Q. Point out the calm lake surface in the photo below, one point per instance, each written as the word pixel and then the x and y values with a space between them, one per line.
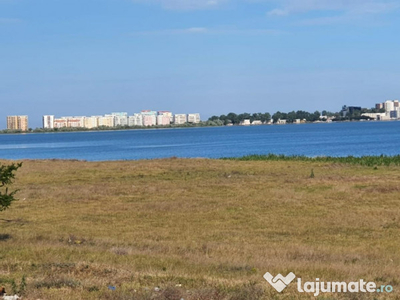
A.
pixel 335 139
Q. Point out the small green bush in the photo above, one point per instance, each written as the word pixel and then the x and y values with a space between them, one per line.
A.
pixel 7 175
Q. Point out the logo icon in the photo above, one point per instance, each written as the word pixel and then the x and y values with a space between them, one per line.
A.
pixel 279 282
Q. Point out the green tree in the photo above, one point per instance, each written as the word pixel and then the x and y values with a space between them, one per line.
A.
pixel 242 117
pixel 233 118
pixel 265 117
pixel 291 116
pixel 7 175
pixel 279 115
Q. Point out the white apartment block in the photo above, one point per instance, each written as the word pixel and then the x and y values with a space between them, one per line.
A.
pixel 149 117
pixel 120 121
pixel 135 120
pixel 107 121
pixel 163 120
pixel 167 114
pixel 75 122
pixel 180 119
pixel 120 118
pixel 149 120
pixel 92 122
pixel 193 118
pixel 48 121
pixel 389 106
pixel 60 122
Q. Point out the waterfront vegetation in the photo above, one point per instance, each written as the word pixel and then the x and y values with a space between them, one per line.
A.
pixel 200 229
pixel 371 161
pixel 290 117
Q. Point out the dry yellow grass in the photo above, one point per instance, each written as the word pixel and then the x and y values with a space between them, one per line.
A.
pixel 198 228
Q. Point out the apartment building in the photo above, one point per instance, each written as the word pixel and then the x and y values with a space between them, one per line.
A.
pixel 48 121
pixel 180 119
pixel 164 118
pixel 120 118
pixel 392 109
pixel 167 113
pixel 107 120
pixel 17 123
pixel 75 122
pixel 193 118
pixel 389 106
pixel 92 122
pixel 135 120
pixel 60 122
pixel 149 117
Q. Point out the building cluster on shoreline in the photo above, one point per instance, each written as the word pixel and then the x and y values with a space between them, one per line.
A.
pixel 145 118
pixel 390 111
pixel 385 111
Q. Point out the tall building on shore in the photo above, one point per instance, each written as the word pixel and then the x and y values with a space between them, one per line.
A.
pixel 135 120
pixel 92 122
pixel 194 118
pixel 149 117
pixel 17 123
pixel 48 121
pixel 76 122
pixel 389 106
pixel 60 122
pixel 180 119
pixel 392 109
pixel 107 121
pixel 120 118
pixel 164 117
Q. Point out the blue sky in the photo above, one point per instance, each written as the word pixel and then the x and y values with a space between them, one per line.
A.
pixel 91 57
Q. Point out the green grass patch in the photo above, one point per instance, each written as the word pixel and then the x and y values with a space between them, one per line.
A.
pixel 369 161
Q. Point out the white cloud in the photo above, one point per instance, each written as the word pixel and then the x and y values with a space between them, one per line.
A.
pixel 328 20
pixel 204 30
pixel 344 6
pixel 186 4
pixel 287 7
pixel 278 12
pixel 9 20
pixel 335 11
pixel 196 30
pixel 375 8
pixel 192 30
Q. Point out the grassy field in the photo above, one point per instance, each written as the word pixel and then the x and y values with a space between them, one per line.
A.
pixel 199 229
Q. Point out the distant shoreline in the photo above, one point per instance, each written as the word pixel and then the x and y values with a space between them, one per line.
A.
pixel 172 126
pixel 103 129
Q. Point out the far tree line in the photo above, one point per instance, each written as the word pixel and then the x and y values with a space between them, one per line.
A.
pixel 290 117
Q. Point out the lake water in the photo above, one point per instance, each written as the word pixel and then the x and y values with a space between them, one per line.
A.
pixel 335 139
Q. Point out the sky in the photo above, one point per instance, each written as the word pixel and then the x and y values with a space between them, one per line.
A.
pixel 92 57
